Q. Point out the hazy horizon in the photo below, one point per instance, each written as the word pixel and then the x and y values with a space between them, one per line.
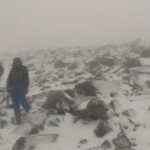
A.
pixel 38 24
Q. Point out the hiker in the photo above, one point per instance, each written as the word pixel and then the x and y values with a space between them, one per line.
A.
pixel 1 70
pixel 17 86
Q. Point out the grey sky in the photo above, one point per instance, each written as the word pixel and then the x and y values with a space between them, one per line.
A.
pixel 35 24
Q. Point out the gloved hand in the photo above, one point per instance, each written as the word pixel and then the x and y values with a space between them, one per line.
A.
pixel 9 89
pixel 26 91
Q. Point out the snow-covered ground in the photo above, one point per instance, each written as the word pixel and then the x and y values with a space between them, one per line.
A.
pixel 127 87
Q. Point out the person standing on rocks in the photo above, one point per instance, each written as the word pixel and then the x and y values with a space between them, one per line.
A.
pixel 1 70
pixel 17 86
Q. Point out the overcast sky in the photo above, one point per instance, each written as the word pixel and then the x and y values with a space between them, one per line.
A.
pixel 36 24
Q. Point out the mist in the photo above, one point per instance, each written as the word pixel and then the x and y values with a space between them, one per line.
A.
pixel 40 24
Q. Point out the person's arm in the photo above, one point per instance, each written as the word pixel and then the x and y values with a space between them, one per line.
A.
pixel 27 80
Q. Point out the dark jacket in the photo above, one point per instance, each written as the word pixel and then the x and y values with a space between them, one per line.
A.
pixel 18 79
pixel 1 70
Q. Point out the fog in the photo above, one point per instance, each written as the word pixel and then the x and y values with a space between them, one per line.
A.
pixel 36 24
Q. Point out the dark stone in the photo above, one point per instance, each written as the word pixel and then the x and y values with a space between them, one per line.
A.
pixel 86 89
pixel 106 145
pixel 54 122
pixel 56 99
pixel 122 143
pixel 20 144
pixel 83 141
pixel 95 109
pixel 129 113
pixel 70 92
pixel 102 129
pixel 70 82
pixel 34 130
pixel 42 81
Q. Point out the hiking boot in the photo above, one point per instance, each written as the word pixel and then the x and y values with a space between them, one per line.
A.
pixel 16 120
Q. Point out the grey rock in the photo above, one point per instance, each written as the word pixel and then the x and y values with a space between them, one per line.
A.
pixel 20 144
pixel 129 113
pixel 106 145
pixel 3 123
pixel 59 100
pixel 86 89
pixel 30 142
pixel 122 143
pixel 83 141
pixel 102 129
pixel 95 109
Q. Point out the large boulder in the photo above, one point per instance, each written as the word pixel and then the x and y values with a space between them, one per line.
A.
pixel 86 89
pixel 102 129
pixel 94 109
pixel 122 143
pixel 30 143
pixel 58 100
pixel 132 63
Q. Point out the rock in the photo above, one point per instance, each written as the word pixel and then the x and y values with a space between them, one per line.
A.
pixel 106 145
pixel 34 130
pixel 70 92
pixel 113 94
pixel 129 113
pixel 3 123
pixel 54 122
pixel 42 81
pixel 102 129
pixel 95 109
pixel 93 66
pixel 107 61
pixel 58 100
pixel 132 62
pixel 20 144
pixel 86 89
pixel 38 96
pixel 115 105
pixel 83 141
pixel 122 143
pixel 30 142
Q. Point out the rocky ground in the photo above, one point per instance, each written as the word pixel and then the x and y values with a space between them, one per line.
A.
pixel 94 98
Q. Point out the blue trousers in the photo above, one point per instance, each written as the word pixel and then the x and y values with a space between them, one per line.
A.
pixel 18 98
